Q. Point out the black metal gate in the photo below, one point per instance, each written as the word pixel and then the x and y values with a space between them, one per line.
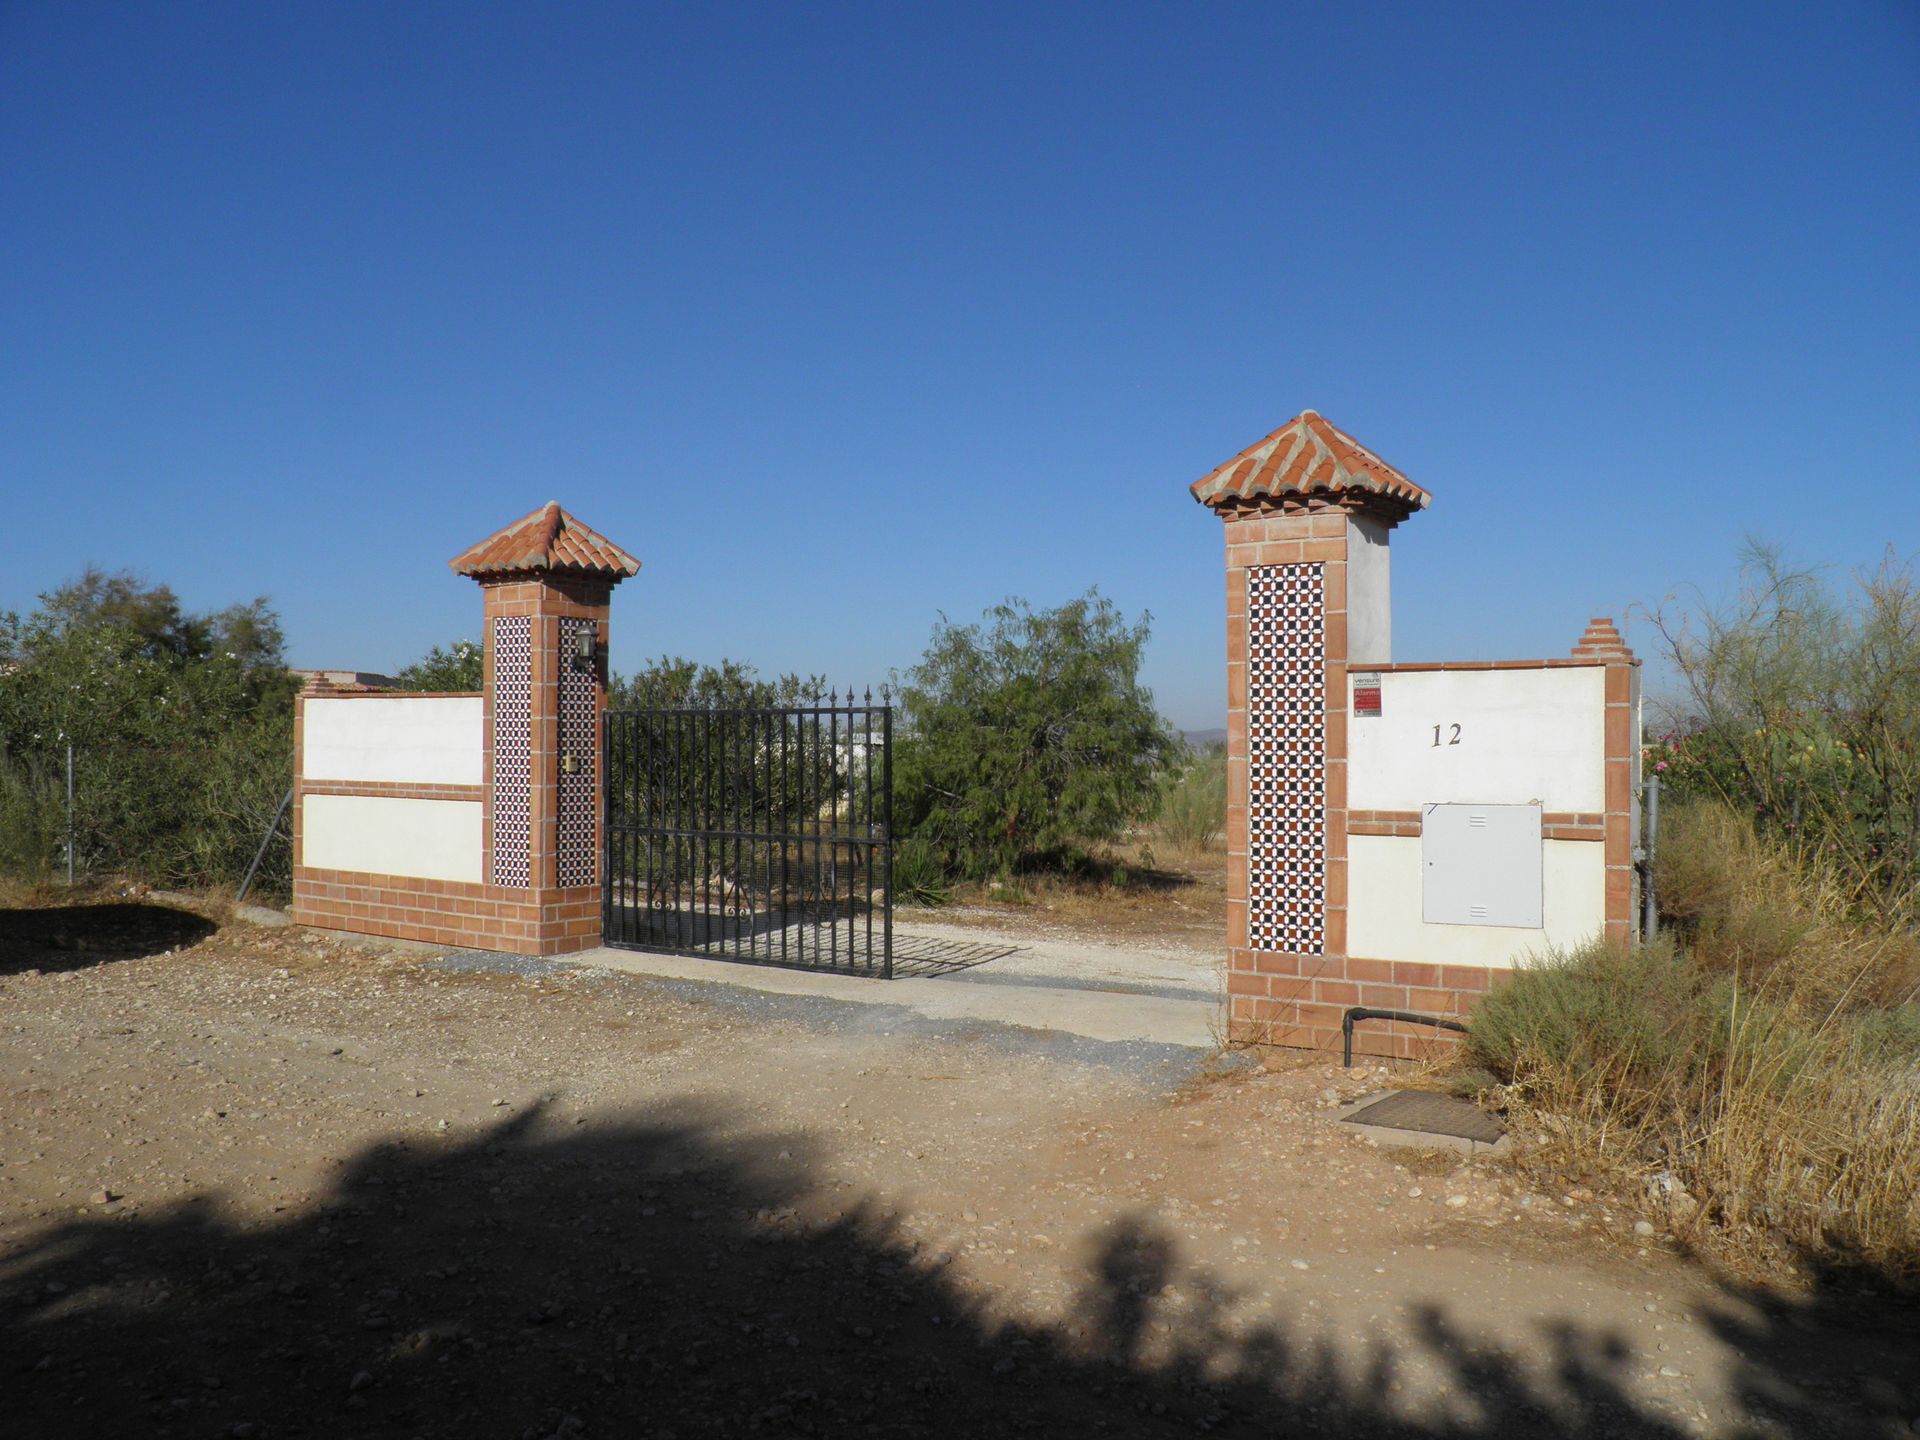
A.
pixel 761 834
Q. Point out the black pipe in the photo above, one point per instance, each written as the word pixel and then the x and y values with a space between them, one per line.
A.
pixel 1361 1012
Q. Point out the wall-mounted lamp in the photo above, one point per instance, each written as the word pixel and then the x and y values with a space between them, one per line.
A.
pixel 586 641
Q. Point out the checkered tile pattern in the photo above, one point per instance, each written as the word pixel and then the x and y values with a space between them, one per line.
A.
pixel 1286 759
pixel 579 737
pixel 513 751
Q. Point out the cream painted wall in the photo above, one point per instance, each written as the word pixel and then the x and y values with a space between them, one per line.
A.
pixel 419 740
pixel 1524 737
pixel 1384 878
pixel 426 839
pixel 1369 592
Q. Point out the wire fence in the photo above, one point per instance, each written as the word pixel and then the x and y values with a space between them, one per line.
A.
pixel 199 816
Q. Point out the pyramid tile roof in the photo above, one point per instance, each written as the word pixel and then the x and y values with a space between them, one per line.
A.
pixel 548 539
pixel 1309 458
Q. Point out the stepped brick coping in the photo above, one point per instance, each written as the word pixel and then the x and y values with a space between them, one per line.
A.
pixel 1554 824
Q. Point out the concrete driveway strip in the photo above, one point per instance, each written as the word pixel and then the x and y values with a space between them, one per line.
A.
pixel 1099 992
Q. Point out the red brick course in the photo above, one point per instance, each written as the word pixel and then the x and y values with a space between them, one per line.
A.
pixel 1298 1000
pixel 393 789
pixel 449 912
pixel 1406 824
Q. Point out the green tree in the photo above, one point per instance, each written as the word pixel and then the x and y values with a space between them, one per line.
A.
pixel 1801 708
pixel 249 635
pixel 181 726
pixel 1027 735
pixel 459 668
pixel 676 682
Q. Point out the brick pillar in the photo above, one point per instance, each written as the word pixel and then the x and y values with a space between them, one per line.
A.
pixel 542 824
pixel 544 581
pixel 1287 772
pixel 1603 642
pixel 1307 512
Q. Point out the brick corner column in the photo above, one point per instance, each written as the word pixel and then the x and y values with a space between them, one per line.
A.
pixel 1602 644
pixel 1307 512
pixel 1287 656
pixel 296 818
pixel 546 584
pixel 543 707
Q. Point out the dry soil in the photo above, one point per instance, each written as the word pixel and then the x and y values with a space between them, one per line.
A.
pixel 257 1182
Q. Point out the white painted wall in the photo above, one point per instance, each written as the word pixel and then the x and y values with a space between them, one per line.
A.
pixel 1384 877
pixel 412 739
pixel 1369 592
pixel 1524 737
pixel 426 839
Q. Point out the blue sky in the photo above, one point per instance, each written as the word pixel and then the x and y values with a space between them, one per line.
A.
pixel 841 317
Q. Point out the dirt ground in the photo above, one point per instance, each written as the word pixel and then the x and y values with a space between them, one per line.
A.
pixel 258 1183
pixel 1168 895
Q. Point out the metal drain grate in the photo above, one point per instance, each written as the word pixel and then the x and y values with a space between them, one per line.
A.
pixel 1425 1114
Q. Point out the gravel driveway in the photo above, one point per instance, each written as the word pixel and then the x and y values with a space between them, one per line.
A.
pixel 259 1183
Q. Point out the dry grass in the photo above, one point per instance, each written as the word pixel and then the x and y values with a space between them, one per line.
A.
pixel 1146 890
pixel 1760 1079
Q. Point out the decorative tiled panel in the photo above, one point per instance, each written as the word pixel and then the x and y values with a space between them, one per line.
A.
pixel 512 750
pixel 1286 759
pixel 580 739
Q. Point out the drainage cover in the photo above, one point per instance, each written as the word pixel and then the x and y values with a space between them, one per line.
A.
pixel 1421 1113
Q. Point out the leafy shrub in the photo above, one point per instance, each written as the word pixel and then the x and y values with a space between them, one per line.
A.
pixel 1028 734
pixel 181 727
pixel 458 669
pixel 1609 1016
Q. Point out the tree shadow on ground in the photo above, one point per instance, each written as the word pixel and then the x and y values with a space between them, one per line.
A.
pixel 73 937
pixel 660 1279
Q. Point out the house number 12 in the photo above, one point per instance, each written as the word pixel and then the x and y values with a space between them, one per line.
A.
pixel 1455 740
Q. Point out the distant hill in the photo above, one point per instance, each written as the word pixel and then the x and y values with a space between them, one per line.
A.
pixel 1200 739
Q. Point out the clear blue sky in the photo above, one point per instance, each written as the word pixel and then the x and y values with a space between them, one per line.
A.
pixel 839 317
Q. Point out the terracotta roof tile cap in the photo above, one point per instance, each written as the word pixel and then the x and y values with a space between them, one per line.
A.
pixel 1309 456
pixel 546 539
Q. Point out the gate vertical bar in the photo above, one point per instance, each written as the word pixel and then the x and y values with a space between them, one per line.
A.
pixel 886 834
pixel 700 757
pixel 786 812
pixel 830 781
pixel 866 816
pixel 730 846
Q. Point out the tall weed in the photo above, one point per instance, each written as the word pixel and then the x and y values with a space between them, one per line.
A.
pixel 1764 1054
pixel 1193 802
pixel 32 820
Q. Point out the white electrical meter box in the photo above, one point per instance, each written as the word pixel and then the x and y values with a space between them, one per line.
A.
pixel 1481 865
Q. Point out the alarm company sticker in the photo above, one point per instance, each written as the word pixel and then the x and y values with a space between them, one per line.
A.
pixel 1366 692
